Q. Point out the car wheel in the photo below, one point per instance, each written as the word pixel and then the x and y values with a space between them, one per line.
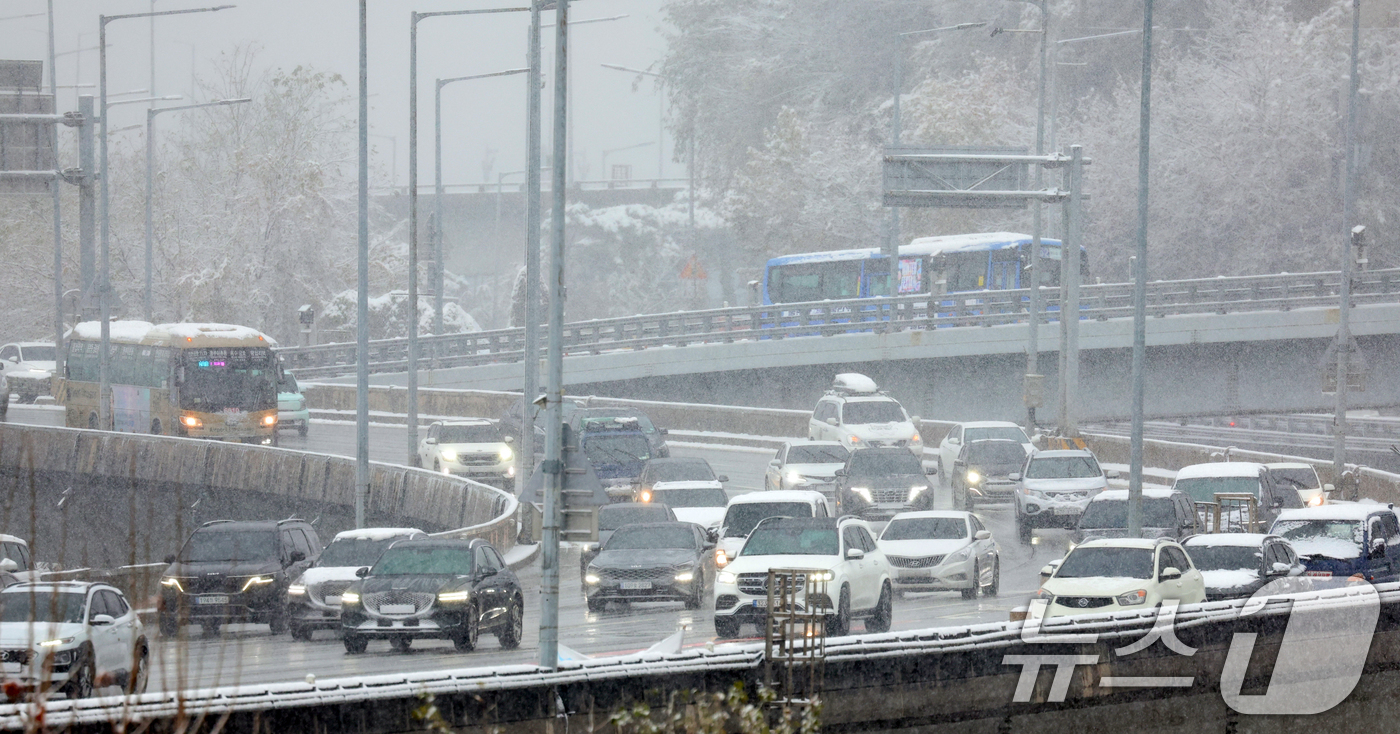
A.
pixel 140 672
pixel 839 625
pixel 437 466
pixel 169 625
pixel 400 643
pixel 976 582
pixel 1024 531
pixel 156 427
pixel 210 627
pixel 884 612
pixel 514 627
pixel 277 623
pixel 80 685
pixel 697 596
pixel 471 628
pixel 596 605
pixel 355 644
pixel 726 627
pixel 300 632
pixel 995 586
pixel 304 428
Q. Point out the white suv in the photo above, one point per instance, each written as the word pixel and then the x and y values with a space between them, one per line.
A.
pixel 842 552
pixel 857 415
pixel 72 635
pixel 1120 574
pixel 470 447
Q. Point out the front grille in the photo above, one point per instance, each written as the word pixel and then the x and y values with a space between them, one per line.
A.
pixel 1083 602
pixel 218 584
pixel 330 588
pixel 756 584
pixel 924 562
pixel 726 601
pixel 420 600
pixel 478 459
pixel 889 495
pixel 640 574
pixel 892 444
pixel 16 656
pixel 1068 496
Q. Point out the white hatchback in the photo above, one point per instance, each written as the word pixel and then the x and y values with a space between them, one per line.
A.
pixel 73 636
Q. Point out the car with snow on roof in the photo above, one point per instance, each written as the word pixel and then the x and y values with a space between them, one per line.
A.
pixel 1235 565
pixel 1344 540
pixel 1166 513
pixel 1203 482
pixel 942 550
pixel 1109 575
pixel 746 511
pixel 1055 488
pixel 313 600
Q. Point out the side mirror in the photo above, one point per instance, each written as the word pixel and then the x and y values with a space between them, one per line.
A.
pixel 430 441
pixel 1014 476
pixel 1046 572
pixel 297 556
pixel 841 472
pixel 723 478
pixel 8 565
pixel 1378 548
pixel 916 420
pixel 1169 573
pixel 832 422
pixel 775 463
pixel 855 554
pixel 362 571
pixel 595 547
pixel 983 535
pixel 1328 487
pixel 1112 474
pixel 487 573
pixel 954 440
pixel 170 558
pixel 101 620
pixel 510 439
pixel 1279 569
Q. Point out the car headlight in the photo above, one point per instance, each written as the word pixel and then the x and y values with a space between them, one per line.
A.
pixel 644 496
pixel 973 477
pixel 257 581
pixel 853 438
pixel 1315 501
pixel 823 576
pixel 296 590
pixel 916 490
pixel 1044 595
pixel 170 582
pixel 1132 598
pixel 685 576
pixel 726 577
pixel 793 477
pixel 56 643
pixel 190 421
pixel 349 598
pixel 450 597
pixel 506 453
pixel 270 420
pixel 864 493
pixel 721 558
pixel 591 578
pixel 961 555
pixel 449 455
pixel 916 438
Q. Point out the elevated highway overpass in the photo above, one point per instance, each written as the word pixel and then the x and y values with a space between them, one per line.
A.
pixel 1219 345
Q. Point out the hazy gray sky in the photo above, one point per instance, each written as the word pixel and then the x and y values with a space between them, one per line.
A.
pixel 477 115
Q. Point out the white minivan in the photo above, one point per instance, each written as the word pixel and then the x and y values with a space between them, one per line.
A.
pixel 747 510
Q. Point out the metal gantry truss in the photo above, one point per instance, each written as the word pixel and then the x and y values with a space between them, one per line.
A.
pixel 794 641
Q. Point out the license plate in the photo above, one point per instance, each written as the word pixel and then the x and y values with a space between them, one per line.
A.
pixel 396 609
pixel 209 599
pixel 760 603
pixel 1319 574
pixel 916 573
pixel 635 585
pixel 333 600
pixel 1066 510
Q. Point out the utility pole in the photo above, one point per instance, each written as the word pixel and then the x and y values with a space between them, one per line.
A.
pixel 87 204
pixel 1339 419
pixel 57 218
pixel 1037 228
pixel 362 309
pixel 525 460
pixel 412 418
pixel 1140 283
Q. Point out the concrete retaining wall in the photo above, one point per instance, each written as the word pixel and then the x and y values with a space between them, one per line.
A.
pixel 102 499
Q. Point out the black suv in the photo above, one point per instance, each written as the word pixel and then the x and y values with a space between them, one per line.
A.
pixel 882 482
pixel 235 571
pixel 435 589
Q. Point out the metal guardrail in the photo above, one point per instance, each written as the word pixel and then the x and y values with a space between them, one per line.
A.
pixel 1101 302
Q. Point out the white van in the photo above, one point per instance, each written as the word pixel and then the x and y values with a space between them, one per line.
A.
pixel 748 510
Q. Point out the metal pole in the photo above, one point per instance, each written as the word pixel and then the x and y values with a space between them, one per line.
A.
pixel 660 132
pixel 87 201
pixel 1140 283
pixel 1069 250
pixel 1037 217
pixel 362 312
pixel 412 417
pixel 1339 432
pixel 150 167
pixel 525 460
pixel 437 207
pixel 896 130
pixel 554 434
pixel 104 386
pixel 57 219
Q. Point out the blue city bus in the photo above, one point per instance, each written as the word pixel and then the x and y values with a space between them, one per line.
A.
pixel 932 265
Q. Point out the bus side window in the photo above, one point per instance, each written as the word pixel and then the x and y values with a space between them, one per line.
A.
pixel 967 271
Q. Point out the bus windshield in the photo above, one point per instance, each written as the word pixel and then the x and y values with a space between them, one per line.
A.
pixel 814 281
pixel 220 379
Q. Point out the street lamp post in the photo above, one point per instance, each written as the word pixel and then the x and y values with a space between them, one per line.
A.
pixel 1339 429
pixel 150 170
pixel 1140 283
pixel 660 114
pixel 437 186
pixel 104 289
pixel 569 124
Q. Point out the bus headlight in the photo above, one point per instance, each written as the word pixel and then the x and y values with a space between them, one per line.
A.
pixel 190 421
pixel 270 420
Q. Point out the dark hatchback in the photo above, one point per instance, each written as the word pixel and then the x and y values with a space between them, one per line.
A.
pixel 983 469
pixel 435 589
pixel 235 572
pixel 651 562
pixel 880 483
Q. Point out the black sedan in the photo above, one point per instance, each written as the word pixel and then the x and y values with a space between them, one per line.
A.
pixel 664 561
pixel 436 589
pixel 882 482
pixel 611 517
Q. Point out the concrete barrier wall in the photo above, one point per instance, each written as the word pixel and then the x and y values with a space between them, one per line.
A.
pixel 103 499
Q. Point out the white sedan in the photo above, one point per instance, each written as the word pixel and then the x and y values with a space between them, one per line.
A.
pixel 806 465
pixel 942 551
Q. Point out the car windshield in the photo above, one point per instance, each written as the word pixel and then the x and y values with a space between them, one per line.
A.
pixel 692 497
pixel 1063 467
pixel 995 453
pixel 1132 563
pixel 640 537
pixel 1299 478
pixel 612 518
pixel 37 354
pixel 872 411
pixel 883 463
pixel 740 520
pixel 775 540
pixel 679 471
pixel 631 449
pixel 1330 538
pixel 288 383
pixel 208 546
pixel 1157 512
pixel 469 434
pixel 42 605
pixel 1204 489
pixel 355 551
pixel 424 561
pixel 221 379
pixel 817 454
pixel 925 528
pixel 1010 433
pixel 1225 557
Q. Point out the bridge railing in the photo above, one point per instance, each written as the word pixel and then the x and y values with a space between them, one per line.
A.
pixel 1222 295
